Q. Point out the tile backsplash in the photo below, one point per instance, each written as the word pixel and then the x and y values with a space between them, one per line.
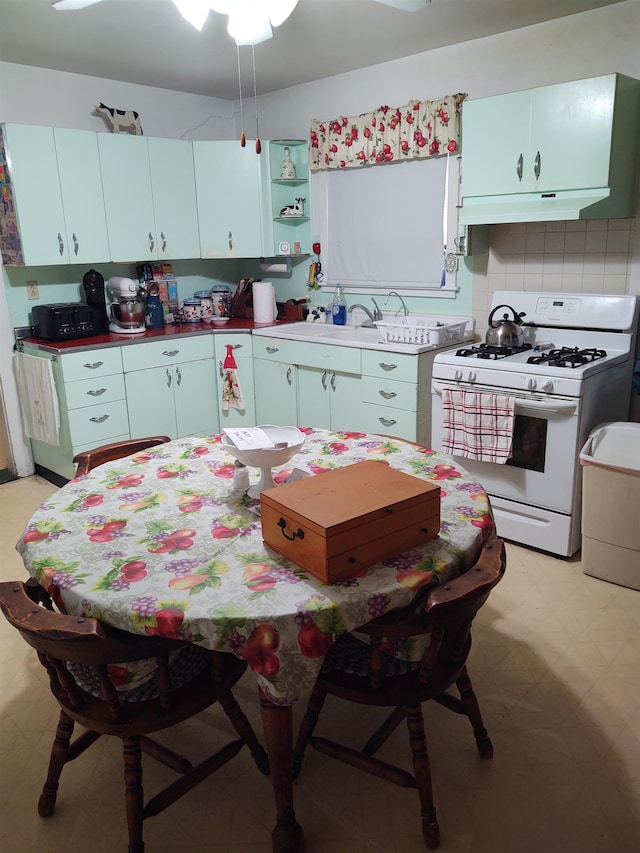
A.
pixel 586 256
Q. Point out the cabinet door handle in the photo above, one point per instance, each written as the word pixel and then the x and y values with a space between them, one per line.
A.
pixel 93 365
pixel 537 163
pixel 519 167
pixel 230 241
pixel 333 381
pixel 289 374
pixel 152 242
pixel 164 241
pixel 75 244
pixel 271 350
pixel 387 421
pixel 168 378
pixel 388 395
pixel 100 420
pixel 220 370
pixel 98 393
pixel 324 380
pixel 60 244
pixel 170 352
pixel 385 366
pixel 179 375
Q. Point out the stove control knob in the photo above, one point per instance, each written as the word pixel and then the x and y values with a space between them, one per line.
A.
pixel 457 375
pixel 532 384
pixel 472 376
pixel 548 386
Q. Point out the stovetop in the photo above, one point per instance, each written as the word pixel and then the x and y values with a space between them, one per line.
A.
pixel 568 340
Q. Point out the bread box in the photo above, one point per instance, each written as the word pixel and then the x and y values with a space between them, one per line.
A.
pixel 344 520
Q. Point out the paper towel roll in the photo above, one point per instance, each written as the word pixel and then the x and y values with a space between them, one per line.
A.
pixel 264 302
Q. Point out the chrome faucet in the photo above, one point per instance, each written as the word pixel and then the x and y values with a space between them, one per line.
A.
pixel 377 313
pixel 395 293
pixel 370 323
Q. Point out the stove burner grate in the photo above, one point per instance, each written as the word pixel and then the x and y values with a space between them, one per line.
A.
pixel 488 351
pixel 568 357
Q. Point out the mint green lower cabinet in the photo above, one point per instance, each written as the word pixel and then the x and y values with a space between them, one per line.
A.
pixel 328 399
pixel 276 392
pixel 91 400
pixel 176 400
pixel 396 395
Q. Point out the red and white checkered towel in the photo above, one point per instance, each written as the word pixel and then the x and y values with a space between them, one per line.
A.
pixel 477 425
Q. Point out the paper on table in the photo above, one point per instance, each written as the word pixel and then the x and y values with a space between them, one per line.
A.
pixel 249 438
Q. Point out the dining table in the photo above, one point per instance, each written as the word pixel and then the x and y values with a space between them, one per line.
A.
pixel 162 543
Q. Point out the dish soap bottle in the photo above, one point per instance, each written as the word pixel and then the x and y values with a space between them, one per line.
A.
pixel 287 169
pixel 339 307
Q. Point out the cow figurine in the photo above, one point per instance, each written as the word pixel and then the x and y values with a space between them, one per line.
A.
pixel 121 121
pixel 296 209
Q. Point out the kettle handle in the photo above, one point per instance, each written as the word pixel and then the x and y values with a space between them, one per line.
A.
pixel 517 318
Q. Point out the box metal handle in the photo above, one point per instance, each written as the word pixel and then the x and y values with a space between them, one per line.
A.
pixel 299 533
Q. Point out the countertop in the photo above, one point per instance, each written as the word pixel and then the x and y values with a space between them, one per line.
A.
pixel 236 324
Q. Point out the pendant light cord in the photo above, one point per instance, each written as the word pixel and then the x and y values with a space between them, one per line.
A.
pixel 242 136
pixel 255 99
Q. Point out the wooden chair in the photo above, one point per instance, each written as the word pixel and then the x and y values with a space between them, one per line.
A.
pixel 363 672
pixel 84 658
pixel 89 459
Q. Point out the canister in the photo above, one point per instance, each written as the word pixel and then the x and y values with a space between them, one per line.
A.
pixel 192 309
pixel 206 302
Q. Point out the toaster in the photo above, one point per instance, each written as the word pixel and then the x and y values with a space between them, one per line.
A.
pixel 63 321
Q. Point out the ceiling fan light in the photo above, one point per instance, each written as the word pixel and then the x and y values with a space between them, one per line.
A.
pixel 248 26
pixel 194 11
pixel 279 10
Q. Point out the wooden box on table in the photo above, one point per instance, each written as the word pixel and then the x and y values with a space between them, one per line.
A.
pixel 349 518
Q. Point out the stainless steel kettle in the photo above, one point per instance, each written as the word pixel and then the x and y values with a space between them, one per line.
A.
pixel 505 332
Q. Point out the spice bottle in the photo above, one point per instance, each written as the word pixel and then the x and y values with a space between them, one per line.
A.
pixel 240 476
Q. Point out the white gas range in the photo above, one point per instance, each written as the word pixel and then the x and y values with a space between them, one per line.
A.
pixel 572 372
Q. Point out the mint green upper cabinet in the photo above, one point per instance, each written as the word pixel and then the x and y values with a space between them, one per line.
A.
pixel 57 194
pixel 126 183
pixel 82 198
pixel 229 199
pixel 571 136
pixel 173 186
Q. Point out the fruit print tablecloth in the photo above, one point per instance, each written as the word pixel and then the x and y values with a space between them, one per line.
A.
pixel 161 543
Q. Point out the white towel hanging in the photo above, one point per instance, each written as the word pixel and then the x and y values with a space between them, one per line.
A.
pixel 38 398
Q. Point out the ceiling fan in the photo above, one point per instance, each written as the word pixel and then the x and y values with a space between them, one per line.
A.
pixel 404 5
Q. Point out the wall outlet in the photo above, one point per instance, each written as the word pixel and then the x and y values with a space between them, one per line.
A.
pixel 32 290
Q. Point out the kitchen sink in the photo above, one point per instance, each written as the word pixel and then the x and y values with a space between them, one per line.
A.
pixel 348 336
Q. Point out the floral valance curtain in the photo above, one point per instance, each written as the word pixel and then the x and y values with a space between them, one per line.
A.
pixel 419 129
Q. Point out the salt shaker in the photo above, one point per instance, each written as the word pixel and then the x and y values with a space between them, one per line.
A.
pixel 240 476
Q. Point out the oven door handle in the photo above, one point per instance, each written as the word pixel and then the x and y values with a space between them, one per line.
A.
pixel 552 406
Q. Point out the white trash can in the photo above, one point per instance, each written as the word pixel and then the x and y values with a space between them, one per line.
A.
pixel 611 504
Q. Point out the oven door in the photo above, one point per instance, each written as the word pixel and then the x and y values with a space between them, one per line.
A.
pixel 542 469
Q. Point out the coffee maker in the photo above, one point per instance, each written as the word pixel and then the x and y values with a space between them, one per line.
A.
pixel 93 285
pixel 127 306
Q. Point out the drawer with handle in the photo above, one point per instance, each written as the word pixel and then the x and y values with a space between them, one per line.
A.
pixel 88 392
pixel 95 425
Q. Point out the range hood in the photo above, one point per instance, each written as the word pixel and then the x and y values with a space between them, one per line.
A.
pixel 536 207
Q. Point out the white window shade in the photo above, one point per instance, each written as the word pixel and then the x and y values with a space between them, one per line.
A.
pixel 385 225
